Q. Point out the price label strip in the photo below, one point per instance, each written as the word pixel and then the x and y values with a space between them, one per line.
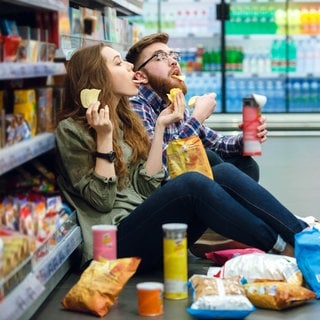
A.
pixel 20 299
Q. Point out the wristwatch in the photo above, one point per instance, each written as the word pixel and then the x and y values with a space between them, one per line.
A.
pixel 110 156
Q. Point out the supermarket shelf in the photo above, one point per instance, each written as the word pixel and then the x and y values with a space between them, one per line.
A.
pixel 59 5
pixel 301 123
pixel 28 296
pixel 20 70
pixel 128 7
pixel 21 152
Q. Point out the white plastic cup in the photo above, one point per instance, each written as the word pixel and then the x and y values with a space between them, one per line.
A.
pixel 104 241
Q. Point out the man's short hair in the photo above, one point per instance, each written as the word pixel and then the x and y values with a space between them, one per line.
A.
pixel 134 52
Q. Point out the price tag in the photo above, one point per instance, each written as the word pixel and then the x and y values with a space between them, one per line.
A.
pixel 21 298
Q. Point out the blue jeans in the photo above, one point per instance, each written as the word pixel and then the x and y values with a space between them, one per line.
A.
pixel 234 205
pixel 246 164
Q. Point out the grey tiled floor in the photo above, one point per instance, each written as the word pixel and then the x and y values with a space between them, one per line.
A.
pixel 289 169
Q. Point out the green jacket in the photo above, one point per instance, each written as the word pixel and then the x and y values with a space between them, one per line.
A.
pixel 97 200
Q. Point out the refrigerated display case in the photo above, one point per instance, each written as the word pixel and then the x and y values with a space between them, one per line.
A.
pixel 245 46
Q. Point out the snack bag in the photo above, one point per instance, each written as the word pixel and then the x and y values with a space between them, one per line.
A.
pixel 277 295
pixel 256 267
pixel 307 252
pixel 99 285
pixel 215 298
pixel 187 154
pixel 220 257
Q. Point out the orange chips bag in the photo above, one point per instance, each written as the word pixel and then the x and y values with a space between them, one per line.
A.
pixel 99 285
pixel 187 154
pixel 277 295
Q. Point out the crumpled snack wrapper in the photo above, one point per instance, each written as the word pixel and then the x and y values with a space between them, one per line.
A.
pixel 257 267
pixel 277 295
pixel 187 154
pixel 99 285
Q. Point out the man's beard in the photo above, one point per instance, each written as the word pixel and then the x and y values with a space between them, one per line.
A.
pixel 163 86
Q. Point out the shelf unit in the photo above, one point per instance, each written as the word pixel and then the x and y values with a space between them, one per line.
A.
pixel 42 275
pixel 27 297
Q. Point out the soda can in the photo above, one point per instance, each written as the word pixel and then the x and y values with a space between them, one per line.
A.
pixel 175 260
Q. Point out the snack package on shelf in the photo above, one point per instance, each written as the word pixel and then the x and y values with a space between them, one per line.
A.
pixel 16 261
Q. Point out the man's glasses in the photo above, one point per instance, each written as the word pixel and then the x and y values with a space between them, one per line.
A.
pixel 161 56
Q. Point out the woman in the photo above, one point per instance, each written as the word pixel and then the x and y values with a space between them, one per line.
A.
pixel 121 184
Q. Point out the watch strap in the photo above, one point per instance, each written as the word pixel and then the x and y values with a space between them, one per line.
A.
pixel 110 156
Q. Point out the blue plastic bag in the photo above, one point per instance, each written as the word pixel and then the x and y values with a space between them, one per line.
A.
pixel 307 252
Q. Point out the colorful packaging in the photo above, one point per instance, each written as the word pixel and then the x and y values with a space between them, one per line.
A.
pixel 175 260
pixel 251 112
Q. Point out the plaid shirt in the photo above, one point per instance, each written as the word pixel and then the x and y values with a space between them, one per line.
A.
pixel 148 105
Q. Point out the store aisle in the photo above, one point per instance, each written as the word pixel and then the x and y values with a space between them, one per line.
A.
pixel 289 169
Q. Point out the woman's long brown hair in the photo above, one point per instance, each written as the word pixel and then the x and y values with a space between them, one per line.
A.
pixel 87 69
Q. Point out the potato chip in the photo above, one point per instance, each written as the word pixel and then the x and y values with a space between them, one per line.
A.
pixel 88 96
pixel 181 77
pixel 172 93
pixel 192 101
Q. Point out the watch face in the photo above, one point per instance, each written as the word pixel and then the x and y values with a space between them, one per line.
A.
pixel 112 156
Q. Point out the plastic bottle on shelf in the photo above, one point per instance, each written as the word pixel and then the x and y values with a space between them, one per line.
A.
pixel 315 95
pixel 305 21
pixel 246 20
pixel 305 95
pixel 275 55
pixel 280 17
pixel 269 92
pixel 313 26
pixel 271 25
pixel 309 56
pixel 279 95
pixel 295 103
pixel 242 90
pixel 246 61
pixel 231 95
pixel 301 51
pixel 282 56
pixel 183 60
pixel 198 57
pixel 293 21
pixel 317 52
pixel 292 55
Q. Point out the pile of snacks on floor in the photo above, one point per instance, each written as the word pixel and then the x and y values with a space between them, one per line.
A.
pixel 247 281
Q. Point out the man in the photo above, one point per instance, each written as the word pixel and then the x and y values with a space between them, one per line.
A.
pixel 156 67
